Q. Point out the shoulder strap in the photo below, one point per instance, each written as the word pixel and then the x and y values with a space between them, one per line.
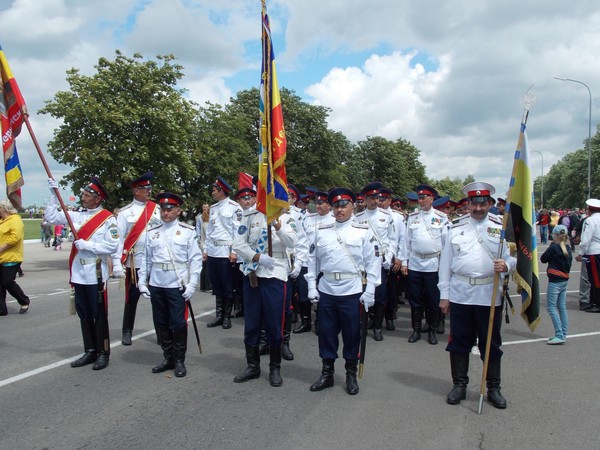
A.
pixel 88 229
pixel 138 227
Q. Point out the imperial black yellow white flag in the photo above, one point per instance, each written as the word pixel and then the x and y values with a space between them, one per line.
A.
pixel 521 224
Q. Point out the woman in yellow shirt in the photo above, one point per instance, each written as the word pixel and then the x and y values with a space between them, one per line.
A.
pixel 11 256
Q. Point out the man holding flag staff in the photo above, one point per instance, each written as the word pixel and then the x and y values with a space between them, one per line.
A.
pixel 468 266
pixel 133 220
pixel 169 275
pixel 98 239
pixel 348 256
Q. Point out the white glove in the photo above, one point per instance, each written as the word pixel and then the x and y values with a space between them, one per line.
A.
pixel 294 273
pixel 189 291
pixel 52 184
pixel 117 271
pixel 387 264
pixel 313 295
pixel 83 245
pixel 266 261
pixel 367 299
pixel 144 290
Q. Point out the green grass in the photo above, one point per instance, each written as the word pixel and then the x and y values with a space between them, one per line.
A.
pixel 32 228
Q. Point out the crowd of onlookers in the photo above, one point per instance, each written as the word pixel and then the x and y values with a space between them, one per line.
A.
pixel 571 218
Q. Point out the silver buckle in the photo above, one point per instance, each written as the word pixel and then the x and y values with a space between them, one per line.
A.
pixel 337 276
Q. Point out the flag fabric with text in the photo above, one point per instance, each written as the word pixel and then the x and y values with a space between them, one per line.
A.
pixel 521 230
pixel 272 194
pixel 12 113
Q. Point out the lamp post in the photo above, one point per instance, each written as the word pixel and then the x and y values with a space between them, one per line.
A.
pixel 542 196
pixel 589 141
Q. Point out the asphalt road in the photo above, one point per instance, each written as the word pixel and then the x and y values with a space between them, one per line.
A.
pixel 45 404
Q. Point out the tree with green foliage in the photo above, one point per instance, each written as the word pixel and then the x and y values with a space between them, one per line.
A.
pixel 395 164
pixel 127 118
pixel 452 187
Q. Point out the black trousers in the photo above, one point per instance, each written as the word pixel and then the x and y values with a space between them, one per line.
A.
pixel 8 284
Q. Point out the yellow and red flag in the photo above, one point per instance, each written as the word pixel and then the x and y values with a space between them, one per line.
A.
pixel 272 193
pixel 12 115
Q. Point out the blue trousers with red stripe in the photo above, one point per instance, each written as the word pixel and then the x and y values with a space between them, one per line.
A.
pixel 339 313
pixel 169 309
pixel 593 270
pixel 469 324
pixel 264 306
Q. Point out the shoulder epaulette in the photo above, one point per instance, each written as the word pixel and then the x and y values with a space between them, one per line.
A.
pixel 311 215
pixel 360 213
pixel 362 226
pixel 325 225
pixel 156 227
pixel 213 205
pixel 185 225
pixel 440 213
pixel 250 212
pixel 414 213
pixel 385 211
pixel 460 221
pixel 233 203
pixel 495 218
pixel 126 207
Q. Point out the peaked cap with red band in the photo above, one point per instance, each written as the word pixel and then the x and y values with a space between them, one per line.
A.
pixel 339 194
pixel 479 191
pixel 96 187
pixel 223 185
pixel 144 180
pixel 167 200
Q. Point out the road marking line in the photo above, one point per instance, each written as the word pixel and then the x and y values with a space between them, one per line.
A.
pixel 62 362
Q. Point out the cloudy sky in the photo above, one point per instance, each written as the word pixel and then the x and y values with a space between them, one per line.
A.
pixel 449 76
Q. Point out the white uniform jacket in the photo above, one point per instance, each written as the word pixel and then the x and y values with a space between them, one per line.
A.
pixel 126 219
pixel 590 236
pixel 424 239
pixel 342 274
pixel 223 223
pixel 309 228
pixel 466 274
pixel 296 254
pixel 105 240
pixel 172 258
pixel 251 238
pixel 382 225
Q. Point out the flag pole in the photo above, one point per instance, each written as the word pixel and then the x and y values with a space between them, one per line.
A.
pixel 528 101
pixel 49 173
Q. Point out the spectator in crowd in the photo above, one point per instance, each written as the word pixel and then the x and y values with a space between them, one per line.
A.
pixel 543 221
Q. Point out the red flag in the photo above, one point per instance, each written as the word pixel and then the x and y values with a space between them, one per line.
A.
pixel 12 113
pixel 272 194
pixel 245 181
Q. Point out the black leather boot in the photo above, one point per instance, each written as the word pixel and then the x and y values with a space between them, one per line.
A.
pixel 431 337
pixel 415 318
pixel 351 382
pixel 166 343
pixel 262 343
pixel 286 353
pixel 227 308
pixel 102 344
pixel 459 367
pixel 275 366
pixel 493 384
pixel 253 369
pixel 89 344
pixel 179 351
pixel 219 313
pixel 305 318
pixel 389 324
pixel 378 322
pixel 441 328
pixel 128 320
pixel 326 378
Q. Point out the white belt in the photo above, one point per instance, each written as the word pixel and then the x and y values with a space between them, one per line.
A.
pixel 169 266
pixel 85 262
pixel 280 255
pixel 340 276
pixel 427 255
pixel 475 281
pixel 218 243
